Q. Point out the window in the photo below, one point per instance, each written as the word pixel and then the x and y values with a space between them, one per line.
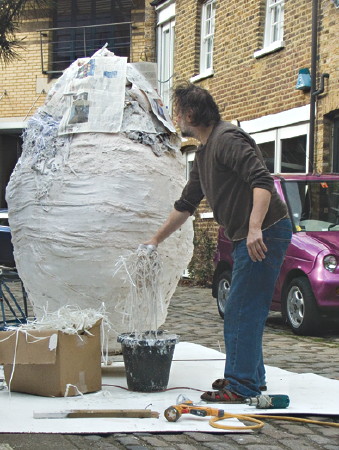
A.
pixel 207 36
pixel 285 150
pixel 274 27
pixel 190 155
pixel 165 50
pixel 81 27
pixel 314 204
pixel 165 61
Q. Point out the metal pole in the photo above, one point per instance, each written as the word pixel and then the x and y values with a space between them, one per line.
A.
pixel 84 39
pixel 42 55
pixel 313 97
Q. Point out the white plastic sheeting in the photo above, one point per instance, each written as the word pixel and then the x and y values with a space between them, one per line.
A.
pixel 78 202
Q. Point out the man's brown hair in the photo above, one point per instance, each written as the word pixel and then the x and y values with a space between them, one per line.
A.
pixel 192 99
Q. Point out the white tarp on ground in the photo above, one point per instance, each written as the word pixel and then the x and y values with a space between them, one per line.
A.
pixel 193 366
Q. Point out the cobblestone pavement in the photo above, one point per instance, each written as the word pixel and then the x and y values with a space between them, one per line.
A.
pixel 193 315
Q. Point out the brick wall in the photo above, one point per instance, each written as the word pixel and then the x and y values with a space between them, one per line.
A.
pixel 23 79
pixel 328 43
pixel 246 88
pixel 19 78
pixel 143 32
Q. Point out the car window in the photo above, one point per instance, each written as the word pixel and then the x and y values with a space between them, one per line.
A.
pixel 314 204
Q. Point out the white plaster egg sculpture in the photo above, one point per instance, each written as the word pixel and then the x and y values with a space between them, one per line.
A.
pixel 99 173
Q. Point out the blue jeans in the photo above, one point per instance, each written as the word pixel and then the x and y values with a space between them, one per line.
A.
pixel 247 308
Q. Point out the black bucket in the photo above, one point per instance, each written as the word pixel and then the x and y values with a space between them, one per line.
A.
pixel 148 358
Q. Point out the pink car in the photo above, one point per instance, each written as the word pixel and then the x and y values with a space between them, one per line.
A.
pixel 307 289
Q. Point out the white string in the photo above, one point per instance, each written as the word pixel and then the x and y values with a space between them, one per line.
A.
pixel 14 362
pixel 143 269
pixel 68 319
pixel 68 386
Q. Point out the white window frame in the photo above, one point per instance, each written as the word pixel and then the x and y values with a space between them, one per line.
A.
pixel 277 135
pixel 189 159
pixel 206 40
pixel 274 28
pixel 165 51
pixel 274 24
pixel 165 61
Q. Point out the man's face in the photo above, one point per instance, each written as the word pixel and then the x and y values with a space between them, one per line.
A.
pixel 184 123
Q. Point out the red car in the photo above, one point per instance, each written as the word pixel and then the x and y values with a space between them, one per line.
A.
pixel 307 289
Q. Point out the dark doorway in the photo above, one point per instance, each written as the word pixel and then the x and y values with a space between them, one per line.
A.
pixel 10 150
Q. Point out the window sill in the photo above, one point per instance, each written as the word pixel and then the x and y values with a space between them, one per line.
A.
pixel 274 47
pixel 206 215
pixel 207 73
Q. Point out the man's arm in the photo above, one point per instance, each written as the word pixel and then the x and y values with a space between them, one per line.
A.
pixel 173 222
pixel 255 244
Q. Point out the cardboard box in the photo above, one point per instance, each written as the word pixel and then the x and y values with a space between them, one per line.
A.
pixel 47 361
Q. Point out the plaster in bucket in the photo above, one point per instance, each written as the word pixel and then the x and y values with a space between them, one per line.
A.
pixel 99 173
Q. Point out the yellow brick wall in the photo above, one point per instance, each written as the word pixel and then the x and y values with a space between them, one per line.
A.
pixel 328 42
pixel 19 78
pixel 245 87
pixel 143 33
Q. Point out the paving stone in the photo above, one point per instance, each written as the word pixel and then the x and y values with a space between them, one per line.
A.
pixel 246 439
pixel 295 429
pixel 154 441
pixel 264 447
pixel 85 442
pixel 172 437
pixel 329 431
pixel 109 447
pixel 321 440
pixel 36 441
pixel 186 446
pixel 273 431
pixel 137 447
pixel 300 444
pixel 224 445
pixel 203 437
pixel 128 439
pixel 93 437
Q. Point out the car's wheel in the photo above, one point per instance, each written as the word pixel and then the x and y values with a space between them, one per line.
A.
pixel 299 307
pixel 223 284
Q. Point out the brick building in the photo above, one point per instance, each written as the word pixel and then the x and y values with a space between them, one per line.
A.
pixel 249 55
pixel 53 39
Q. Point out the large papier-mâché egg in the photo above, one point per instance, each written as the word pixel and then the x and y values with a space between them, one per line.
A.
pixel 81 199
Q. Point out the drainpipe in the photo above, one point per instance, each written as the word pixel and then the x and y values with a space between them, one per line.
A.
pixel 313 97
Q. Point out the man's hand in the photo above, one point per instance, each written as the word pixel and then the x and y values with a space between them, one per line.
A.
pixel 255 245
pixel 148 248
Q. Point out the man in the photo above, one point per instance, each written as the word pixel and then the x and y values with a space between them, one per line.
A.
pixel 230 172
